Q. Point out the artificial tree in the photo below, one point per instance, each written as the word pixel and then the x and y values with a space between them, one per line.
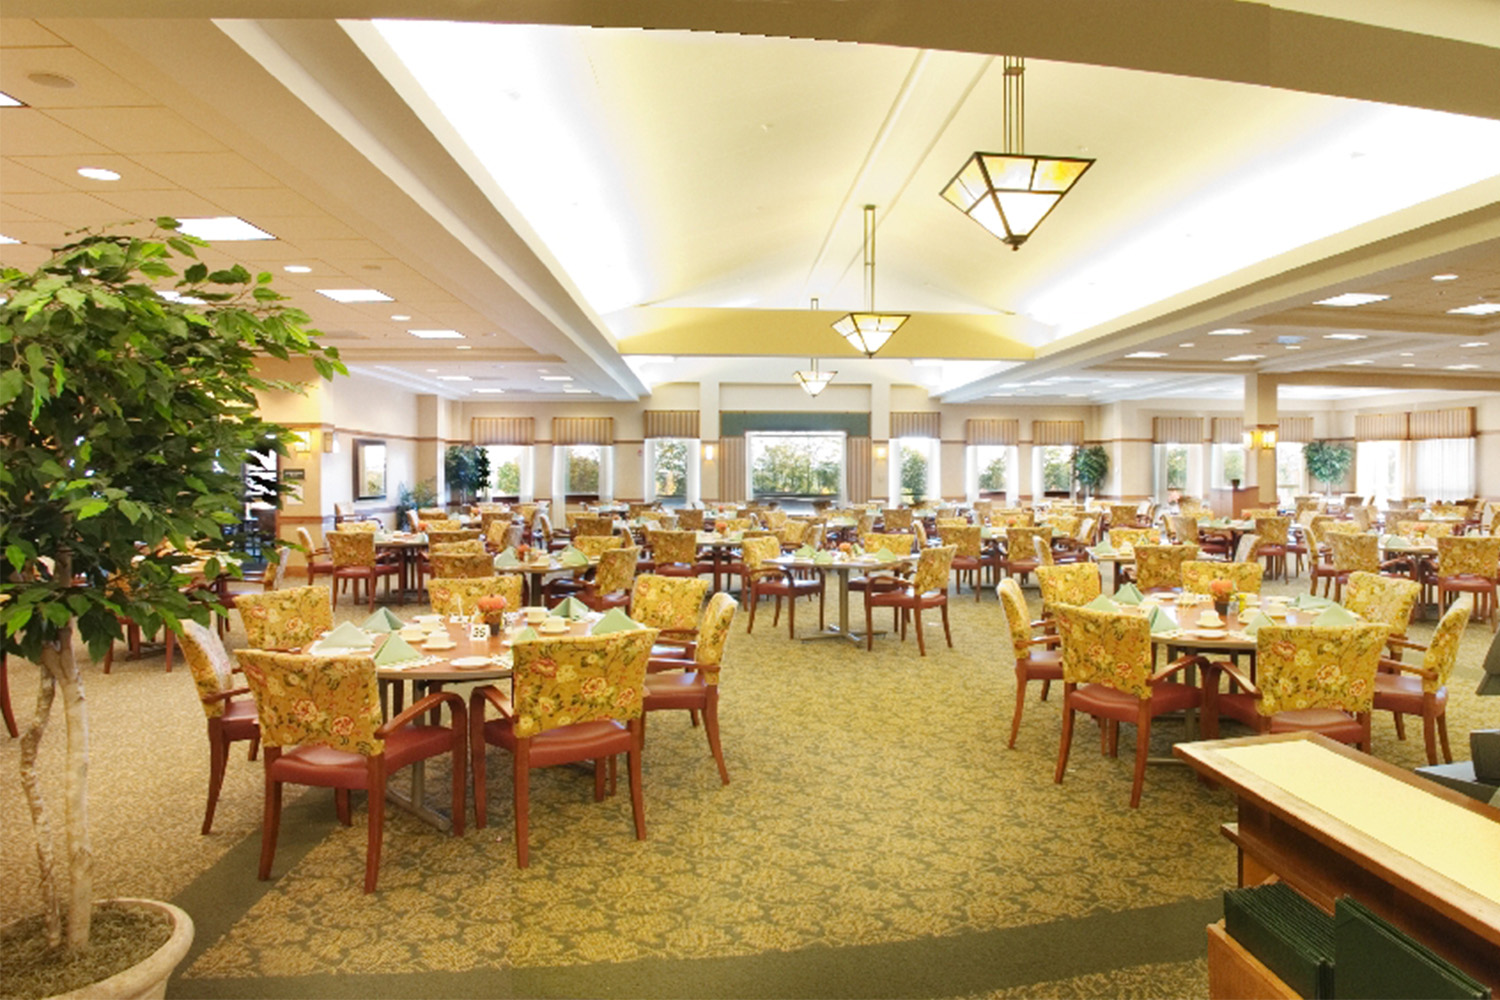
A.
pixel 1327 462
pixel 1090 466
pixel 123 416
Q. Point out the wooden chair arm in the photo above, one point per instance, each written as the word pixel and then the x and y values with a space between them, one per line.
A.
pixel 1212 669
pixel 225 695
pixel 1046 640
pixel 1044 623
pixel 1406 668
pixel 1179 664
pixel 427 704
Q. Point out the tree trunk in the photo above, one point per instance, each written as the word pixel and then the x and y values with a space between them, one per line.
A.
pixel 41 822
pixel 58 660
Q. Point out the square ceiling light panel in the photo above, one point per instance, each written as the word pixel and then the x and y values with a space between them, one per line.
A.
pixel 222 229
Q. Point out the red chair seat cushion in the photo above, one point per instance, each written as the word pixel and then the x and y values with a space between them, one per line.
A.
pixel 585 741
pixel 1043 665
pixel 1467 583
pixel 1108 703
pixel 1403 693
pixel 686 690
pixel 240 720
pixel 330 768
pixel 1333 724
pixel 904 598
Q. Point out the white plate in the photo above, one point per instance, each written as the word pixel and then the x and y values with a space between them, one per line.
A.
pixel 428 619
pixel 470 662
pixel 1208 633
pixel 439 645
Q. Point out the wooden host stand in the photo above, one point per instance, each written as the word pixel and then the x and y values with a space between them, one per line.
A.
pixel 1330 821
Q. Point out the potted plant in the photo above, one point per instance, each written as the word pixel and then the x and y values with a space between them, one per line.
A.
pixel 123 413
pixel 1090 466
pixel 413 498
pixel 466 467
pixel 1327 462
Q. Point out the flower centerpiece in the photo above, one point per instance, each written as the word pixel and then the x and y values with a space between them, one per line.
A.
pixel 492 612
pixel 1221 590
pixel 720 527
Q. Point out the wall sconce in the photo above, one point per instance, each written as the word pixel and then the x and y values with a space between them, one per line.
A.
pixel 330 441
pixel 709 451
pixel 301 442
pixel 1262 438
pixel 880 452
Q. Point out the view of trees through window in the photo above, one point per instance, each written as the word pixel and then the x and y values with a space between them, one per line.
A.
pixel 1234 463
pixel 993 463
pixel 583 469
pixel 1289 467
pixel 669 471
pixel 505 469
pixel 1177 463
pixel 913 474
pixel 1057 468
pixel 795 465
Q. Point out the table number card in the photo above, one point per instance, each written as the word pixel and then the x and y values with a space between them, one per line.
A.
pixel 479 632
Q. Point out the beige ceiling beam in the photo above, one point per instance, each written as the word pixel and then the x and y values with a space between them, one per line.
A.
pixel 1229 40
pixel 1390 380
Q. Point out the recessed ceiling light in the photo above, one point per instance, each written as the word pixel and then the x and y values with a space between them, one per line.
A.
pixel 1229 331
pixel 490 390
pixel 464 347
pixel 296 269
pixel 1292 347
pixel 222 229
pixel 454 378
pixel 400 317
pixel 584 391
pixel 1345 336
pixel 54 80
pixel 1461 368
pixel 1445 277
pixel 1408 364
pixel 557 378
pixel 1188 344
pixel 432 369
pixel 1361 361
pixel 1147 354
pixel 1407 354
pixel 437 334
pixel 1244 357
pixel 1476 343
pixel 355 294
pixel 6 101
pixel 1478 309
pixel 7 239
pixel 1289 338
pixel 1350 299
pixel 98 174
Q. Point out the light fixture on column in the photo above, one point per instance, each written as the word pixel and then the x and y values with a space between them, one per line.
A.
pixel 708 452
pixel 1010 193
pixel 1261 438
pixel 868 331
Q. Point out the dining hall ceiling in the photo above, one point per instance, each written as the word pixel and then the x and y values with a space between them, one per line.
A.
pixel 627 207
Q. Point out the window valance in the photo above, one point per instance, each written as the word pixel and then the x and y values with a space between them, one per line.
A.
pixel 1457 422
pixel 671 424
pixel 503 430
pixel 1229 430
pixel 1053 432
pixel 1381 426
pixel 1177 430
pixel 583 430
pixel 992 431
pixel 1296 430
pixel 916 424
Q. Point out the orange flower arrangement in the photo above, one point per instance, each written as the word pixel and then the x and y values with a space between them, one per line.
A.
pixel 1221 589
pixel 492 609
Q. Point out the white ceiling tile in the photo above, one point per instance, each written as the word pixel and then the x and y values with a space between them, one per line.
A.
pixel 200 171
pixel 139 130
pixel 29 132
pixel 94 85
pixel 23 33
pixel 70 208
pixel 64 169
pixel 16 176
pixel 153 204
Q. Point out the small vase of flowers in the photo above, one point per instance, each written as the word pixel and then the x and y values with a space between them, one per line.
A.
pixel 492 612
pixel 1221 590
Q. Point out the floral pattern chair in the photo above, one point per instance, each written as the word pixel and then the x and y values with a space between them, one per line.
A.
pixel 928 589
pixel 594 546
pixel 321 726
pixel 470 546
pixel 461 565
pixel 696 687
pixel 766 579
pixel 674 553
pixel 231 718
pixel 1121 537
pixel 574 698
pixel 1026 548
pixel 1308 678
pixel 460 595
pixel 1107 662
pixel 354 559
pixel 969 556
pixel 1387 600
pixel 1032 664
pixel 1470 565
pixel 318 563
pixel 1403 688
pixel 1198 574
pixel 671 605
pixel 435 538
pixel 1069 583
pixel 611 585
pixel 285 619
pixel 1425 529
pixel 896 518
pixel 1275 536
pixel 1159 567
pixel 1121 515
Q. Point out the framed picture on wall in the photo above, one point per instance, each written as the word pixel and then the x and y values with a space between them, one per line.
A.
pixel 369 470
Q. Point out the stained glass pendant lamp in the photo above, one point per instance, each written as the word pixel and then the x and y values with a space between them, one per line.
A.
pixel 812 380
pixel 868 331
pixel 1010 193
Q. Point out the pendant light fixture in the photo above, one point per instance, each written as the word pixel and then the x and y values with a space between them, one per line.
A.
pixel 1010 193
pixel 814 381
pixel 868 331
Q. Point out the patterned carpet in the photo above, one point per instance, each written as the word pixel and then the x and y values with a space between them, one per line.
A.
pixel 877 839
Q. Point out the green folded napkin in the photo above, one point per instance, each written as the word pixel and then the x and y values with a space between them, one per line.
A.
pixel 571 608
pixel 1397 542
pixel 507 558
pixel 1102 550
pixel 1309 602
pixel 572 557
pixel 1128 594
pixel 823 558
pixel 1337 616
pixel 384 620
pixel 527 634
pixel 1160 621
pixel 382 536
pixel 347 636
pixel 396 650
pixel 806 552
pixel 884 555
pixel 614 620
pixel 1102 603
pixel 1256 621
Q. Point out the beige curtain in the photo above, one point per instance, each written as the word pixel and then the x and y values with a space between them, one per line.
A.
pixel 1296 430
pixel 1229 430
pixel 1457 422
pixel 1381 426
pixel 1177 430
pixel 857 464
pixel 992 431
pixel 503 430
pixel 916 424
pixel 583 430
pixel 671 424
pixel 732 469
pixel 1046 432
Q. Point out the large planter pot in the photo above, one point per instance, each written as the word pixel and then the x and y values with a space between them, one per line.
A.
pixel 146 980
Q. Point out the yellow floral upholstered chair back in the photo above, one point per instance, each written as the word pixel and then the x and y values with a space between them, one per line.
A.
pixel 1023 542
pixel 1469 556
pixel 1011 517
pixel 488 518
pixel 1182 529
pixel 1387 600
pixel 774 519
pixel 1161 565
pixel 1273 530
pixel 1068 583
pixel 1104 648
pixel 461 565
pixel 949 522
pixel 793 532
pixel 674 546
pixel 756 551
pixel 1450 510
pixel 576 679
pixel 471 546
pixel 932 569
pixel 285 619
pixel 668 603
pixel 982 510
pixel 896 518
pixel 713 635
pixel 1122 515
pixel 964 539
pixel 1363 516
pixel 1088 528
pixel 1354 553
pixel 1121 537
pixel 370 526
pixel 460 595
pixel 595 546
pixel 1425 529
pixel 734 525
pixel 587 525
pixel 899 542
pixel 453 536
pixel 1065 525
pixel 351 548
pixel 1442 652
pixel 689 520
pixel 441 524
pixel 1016 615
pixel 1310 666
pixel 1197 574
pixel 303 700
pixel 1193 508
pixel 209 661
pixel 616 570
pixel 432 513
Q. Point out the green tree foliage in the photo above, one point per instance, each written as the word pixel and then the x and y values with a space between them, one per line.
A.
pixel 424 494
pixel 1234 464
pixel 793 465
pixel 671 469
pixel 508 478
pixel 1327 462
pixel 466 467
pixel 992 477
pixel 1177 468
pixel 583 470
pixel 1090 466
pixel 1057 468
pixel 913 476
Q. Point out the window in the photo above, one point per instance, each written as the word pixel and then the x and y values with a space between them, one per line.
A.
pixel 1170 462
pixel 1445 468
pixel 510 471
pixel 1055 469
pixel 990 471
pixel 796 466
pixel 1291 470
pixel 369 470
pixel 915 470
pixel 668 471
pixel 1378 471
pixel 1229 465
pixel 582 471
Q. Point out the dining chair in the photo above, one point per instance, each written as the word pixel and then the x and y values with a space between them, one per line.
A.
pixel 470 546
pixel 460 595
pixel 1026 548
pixel 896 518
pixel 270 577
pixel 1425 529
pixel 1388 600
pixel 1032 664
pixel 766 579
pixel 671 605
pixel 898 543
pixel 321 726
pixel 455 565
pixel 231 718
pixel 1199 574
pixel 689 519
pixel 573 699
pixel 318 563
pixel 928 589
pixel 435 538
pixel 354 560
pixel 1309 678
pixel 1275 534
pixel 285 619
pixel 612 582
pixel 1159 567
pixel 1407 689
pixel 596 526
pixel 1068 583
pixel 1470 564
pixel 1107 672
pixel 673 553
pixel 433 513
pixel 1121 515
pixel 968 553
pixel 695 688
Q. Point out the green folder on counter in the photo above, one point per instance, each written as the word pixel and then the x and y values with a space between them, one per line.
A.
pixel 1287 933
pixel 1373 958
pixel 396 650
pixel 384 620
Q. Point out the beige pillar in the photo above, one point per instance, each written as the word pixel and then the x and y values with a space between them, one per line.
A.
pixel 1261 415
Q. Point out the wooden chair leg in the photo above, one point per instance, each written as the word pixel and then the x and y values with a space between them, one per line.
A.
pixel 1015 719
pixel 947 632
pixel 1142 748
pixel 1067 739
pixel 218 757
pixel 637 799
pixel 376 810
pixel 523 800
pixel 754 599
pixel 921 641
pixel 869 623
pixel 342 807
pixel 1400 721
pixel 1442 728
pixel 791 615
pixel 599 776
pixel 711 727
pixel 270 825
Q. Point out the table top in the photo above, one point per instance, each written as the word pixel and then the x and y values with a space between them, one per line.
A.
pixel 1192 635
pixel 844 564
pixel 461 662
